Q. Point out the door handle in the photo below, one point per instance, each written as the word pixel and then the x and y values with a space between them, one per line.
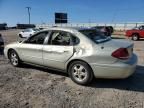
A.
pixel 66 51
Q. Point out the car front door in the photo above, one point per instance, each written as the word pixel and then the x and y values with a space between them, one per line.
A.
pixel 142 31
pixel 31 49
pixel 58 50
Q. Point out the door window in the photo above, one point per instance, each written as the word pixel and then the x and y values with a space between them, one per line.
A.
pixel 142 27
pixel 60 38
pixel 27 30
pixel 37 38
pixel 63 38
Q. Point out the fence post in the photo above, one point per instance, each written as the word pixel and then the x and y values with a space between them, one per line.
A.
pixel 125 25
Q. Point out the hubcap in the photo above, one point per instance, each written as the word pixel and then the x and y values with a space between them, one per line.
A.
pixel 14 59
pixel 135 37
pixel 79 72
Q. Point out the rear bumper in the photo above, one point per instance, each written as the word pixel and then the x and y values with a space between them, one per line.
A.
pixel 116 70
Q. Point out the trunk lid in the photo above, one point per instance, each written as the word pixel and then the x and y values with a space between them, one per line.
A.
pixel 120 43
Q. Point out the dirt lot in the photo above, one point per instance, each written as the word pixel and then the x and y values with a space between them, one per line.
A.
pixel 33 87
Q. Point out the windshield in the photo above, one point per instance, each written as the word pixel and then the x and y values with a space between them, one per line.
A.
pixel 36 29
pixel 95 35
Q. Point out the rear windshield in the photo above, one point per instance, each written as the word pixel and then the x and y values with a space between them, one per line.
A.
pixel 95 35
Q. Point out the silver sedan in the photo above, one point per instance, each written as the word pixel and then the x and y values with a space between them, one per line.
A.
pixel 82 53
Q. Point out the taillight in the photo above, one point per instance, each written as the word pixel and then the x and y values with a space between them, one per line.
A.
pixel 121 53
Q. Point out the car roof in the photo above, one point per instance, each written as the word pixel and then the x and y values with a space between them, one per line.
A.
pixel 69 28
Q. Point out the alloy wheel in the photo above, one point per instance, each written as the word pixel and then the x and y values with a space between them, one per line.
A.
pixel 14 59
pixel 79 72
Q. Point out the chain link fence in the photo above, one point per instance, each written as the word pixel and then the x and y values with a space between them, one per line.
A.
pixel 116 26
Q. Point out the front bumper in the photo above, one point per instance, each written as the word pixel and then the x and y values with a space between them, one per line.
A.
pixel 117 70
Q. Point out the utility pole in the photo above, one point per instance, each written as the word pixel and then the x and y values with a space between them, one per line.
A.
pixel 89 21
pixel 29 8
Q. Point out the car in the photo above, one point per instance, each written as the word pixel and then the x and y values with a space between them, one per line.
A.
pixel 107 30
pixel 135 33
pixel 28 32
pixel 82 53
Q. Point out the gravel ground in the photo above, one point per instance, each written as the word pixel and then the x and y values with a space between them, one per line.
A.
pixel 35 87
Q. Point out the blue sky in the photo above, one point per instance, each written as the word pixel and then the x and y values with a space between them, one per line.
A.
pixel 82 11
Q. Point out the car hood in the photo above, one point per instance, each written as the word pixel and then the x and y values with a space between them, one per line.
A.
pixel 11 45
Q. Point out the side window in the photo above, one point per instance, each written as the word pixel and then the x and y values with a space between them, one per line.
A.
pixel 60 38
pixel 141 28
pixel 27 30
pixel 37 38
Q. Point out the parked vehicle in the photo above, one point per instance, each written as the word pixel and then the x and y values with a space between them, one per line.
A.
pixel 107 30
pixel 25 26
pixel 28 32
pixel 3 26
pixel 82 53
pixel 135 33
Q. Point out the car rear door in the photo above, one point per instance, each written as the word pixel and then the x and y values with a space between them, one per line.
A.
pixel 58 50
pixel 31 50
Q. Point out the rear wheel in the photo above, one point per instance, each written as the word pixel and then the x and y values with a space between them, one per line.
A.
pixel 80 72
pixel 135 37
pixel 14 58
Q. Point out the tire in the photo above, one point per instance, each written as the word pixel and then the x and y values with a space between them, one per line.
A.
pixel 20 36
pixel 80 72
pixel 14 58
pixel 135 37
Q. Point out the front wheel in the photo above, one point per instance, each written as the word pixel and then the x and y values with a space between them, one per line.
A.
pixel 14 58
pixel 135 37
pixel 80 72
